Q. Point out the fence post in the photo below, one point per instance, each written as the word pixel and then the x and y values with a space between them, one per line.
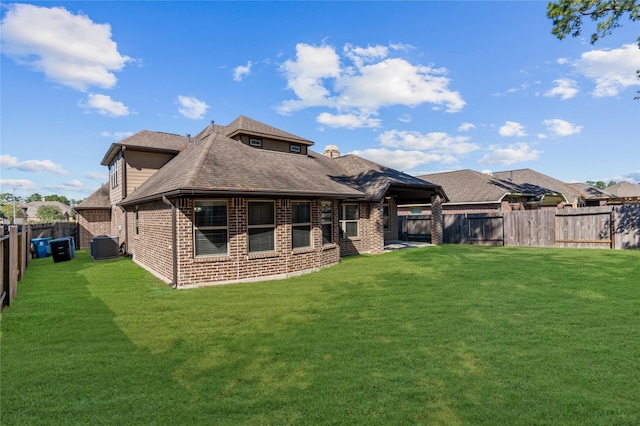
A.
pixel 13 263
pixel 436 221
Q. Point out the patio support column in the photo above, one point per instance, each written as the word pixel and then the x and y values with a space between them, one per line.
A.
pixel 437 223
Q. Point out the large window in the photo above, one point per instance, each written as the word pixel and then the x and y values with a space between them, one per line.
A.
pixel 262 226
pixel 210 231
pixel 327 222
pixel 113 172
pixel 348 217
pixel 300 224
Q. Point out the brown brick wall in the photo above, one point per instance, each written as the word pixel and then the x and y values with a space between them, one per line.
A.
pixel 370 229
pixel 152 248
pixel 92 223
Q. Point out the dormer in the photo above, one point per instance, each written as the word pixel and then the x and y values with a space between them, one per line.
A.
pixel 262 136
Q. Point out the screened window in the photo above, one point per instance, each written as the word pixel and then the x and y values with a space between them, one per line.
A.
pixel 210 228
pixel 300 224
pixel 327 222
pixel 262 226
pixel 348 217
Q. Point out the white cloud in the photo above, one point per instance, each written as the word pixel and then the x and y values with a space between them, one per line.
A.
pixel 405 118
pixel 96 176
pixel 104 105
pixel 35 166
pixel 403 160
pixel 512 128
pixel 561 127
pixel 19 184
pixel 73 185
pixel 612 70
pixel 116 135
pixel 191 107
pixel 436 142
pixel 241 70
pixel 318 78
pixel 565 88
pixel 509 155
pixel 465 127
pixel 349 121
pixel 69 49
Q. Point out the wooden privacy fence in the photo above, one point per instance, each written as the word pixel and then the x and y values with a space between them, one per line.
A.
pixel 587 227
pixel 14 250
pixel 55 230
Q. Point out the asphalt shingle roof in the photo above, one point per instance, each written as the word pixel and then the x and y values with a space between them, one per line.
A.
pixel 150 141
pixel 220 165
pixel 98 200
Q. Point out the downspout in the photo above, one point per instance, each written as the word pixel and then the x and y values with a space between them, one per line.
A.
pixel 174 243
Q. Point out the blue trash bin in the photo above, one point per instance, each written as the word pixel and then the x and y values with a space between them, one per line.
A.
pixel 41 246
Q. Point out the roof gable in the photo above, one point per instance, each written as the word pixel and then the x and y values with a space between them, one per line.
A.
pixel 147 140
pixel 99 199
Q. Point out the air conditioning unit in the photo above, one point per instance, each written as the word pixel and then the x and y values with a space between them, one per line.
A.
pixel 104 247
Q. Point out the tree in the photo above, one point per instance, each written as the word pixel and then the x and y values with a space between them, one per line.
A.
pixel 7 197
pixel 60 198
pixel 33 197
pixel 50 214
pixel 567 17
pixel 600 184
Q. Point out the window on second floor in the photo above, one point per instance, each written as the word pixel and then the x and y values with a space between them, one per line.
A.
pixel 113 173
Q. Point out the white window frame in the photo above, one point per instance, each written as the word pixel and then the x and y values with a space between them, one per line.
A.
pixel 255 142
pixel 325 221
pixel 295 148
pixel 344 222
pixel 298 225
pixel 210 228
pixel 271 226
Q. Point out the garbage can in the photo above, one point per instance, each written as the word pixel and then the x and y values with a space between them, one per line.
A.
pixel 41 246
pixel 63 249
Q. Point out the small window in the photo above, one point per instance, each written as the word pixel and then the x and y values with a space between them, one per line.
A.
pixel 348 217
pixel 327 222
pixel 416 210
pixel 210 228
pixel 255 142
pixel 135 223
pixel 262 226
pixel 294 148
pixel 300 224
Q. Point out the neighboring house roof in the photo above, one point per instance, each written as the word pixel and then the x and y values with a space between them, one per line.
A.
pixel 471 187
pixel 625 189
pixel 32 208
pixel 375 180
pixel 531 181
pixel 96 201
pixel 149 141
pixel 590 192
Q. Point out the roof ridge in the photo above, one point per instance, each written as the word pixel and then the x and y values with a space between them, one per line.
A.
pixel 197 168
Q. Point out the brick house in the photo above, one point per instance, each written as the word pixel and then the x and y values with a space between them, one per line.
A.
pixel 244 202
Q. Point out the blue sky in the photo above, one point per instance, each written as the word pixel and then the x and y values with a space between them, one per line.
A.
pixel 422 87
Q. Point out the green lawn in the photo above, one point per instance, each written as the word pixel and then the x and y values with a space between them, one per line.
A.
pixel 440 335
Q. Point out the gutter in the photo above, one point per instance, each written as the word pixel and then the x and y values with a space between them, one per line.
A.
pixel 174 243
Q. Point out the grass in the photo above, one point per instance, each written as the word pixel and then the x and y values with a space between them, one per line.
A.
pixel 446 335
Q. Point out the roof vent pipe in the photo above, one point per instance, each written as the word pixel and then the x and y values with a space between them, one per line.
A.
pixel 331 151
